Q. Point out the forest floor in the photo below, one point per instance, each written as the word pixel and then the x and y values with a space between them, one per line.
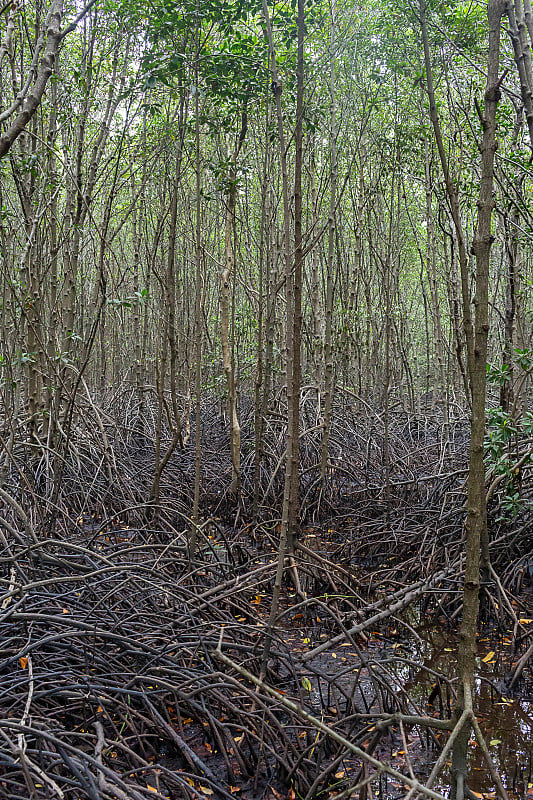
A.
pixel 109 661
pixel 128 672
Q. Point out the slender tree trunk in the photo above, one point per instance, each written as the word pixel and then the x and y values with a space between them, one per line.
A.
pixel 260 378
pixel 439 374
pixel 226 277
pixel 476 332
pixel 198 322
pixel 170 334
pixel 294 315
pixel 293 278
pixel 328 349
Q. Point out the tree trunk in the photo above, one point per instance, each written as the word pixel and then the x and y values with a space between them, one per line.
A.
pixel 293 279
pixel 476 333
pixel 328 349
pixel 225 296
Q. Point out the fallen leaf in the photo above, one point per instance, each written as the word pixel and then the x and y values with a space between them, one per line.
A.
pixel 486 659
pixel 23 661
pixel 205 789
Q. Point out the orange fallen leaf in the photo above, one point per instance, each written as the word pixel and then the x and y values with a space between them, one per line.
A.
pixel 23 661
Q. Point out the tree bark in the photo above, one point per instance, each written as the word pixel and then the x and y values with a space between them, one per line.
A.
pixel 225 297
pixel 476 332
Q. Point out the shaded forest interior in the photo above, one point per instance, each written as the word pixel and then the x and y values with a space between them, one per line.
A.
pixel 266 434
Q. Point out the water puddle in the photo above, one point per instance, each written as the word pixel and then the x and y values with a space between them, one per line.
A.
pixel 415 657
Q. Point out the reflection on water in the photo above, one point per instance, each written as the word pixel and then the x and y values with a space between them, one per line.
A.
pixel 506 721
pixel 416 657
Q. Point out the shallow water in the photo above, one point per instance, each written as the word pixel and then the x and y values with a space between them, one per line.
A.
pixel 506 721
